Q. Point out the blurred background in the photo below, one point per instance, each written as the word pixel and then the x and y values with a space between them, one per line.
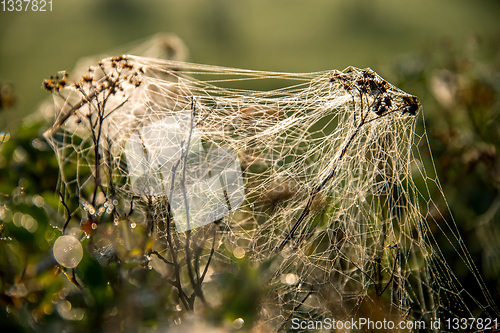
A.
pixel 445 52
pixel 283 35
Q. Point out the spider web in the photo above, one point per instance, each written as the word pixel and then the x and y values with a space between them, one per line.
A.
pixel 319 177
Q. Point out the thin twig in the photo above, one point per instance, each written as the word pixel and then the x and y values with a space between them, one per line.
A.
pixel 364 273
pixel 173 250
pixel 212 250
pixel 198 249
pixel 67 212
pixel 161 257
pixel 131 207
pixel 392 275
pixel 194 283
pixel 70 112
pixel 72 277
pixel 177 282
pixel 116 108
pixel 188 259
pixel 282 326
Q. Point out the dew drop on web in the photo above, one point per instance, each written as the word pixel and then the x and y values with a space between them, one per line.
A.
pixel 68 251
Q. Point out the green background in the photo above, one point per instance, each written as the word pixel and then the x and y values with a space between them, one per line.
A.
pixel 282 35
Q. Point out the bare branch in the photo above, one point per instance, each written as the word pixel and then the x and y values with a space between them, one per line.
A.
pixel 68 218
